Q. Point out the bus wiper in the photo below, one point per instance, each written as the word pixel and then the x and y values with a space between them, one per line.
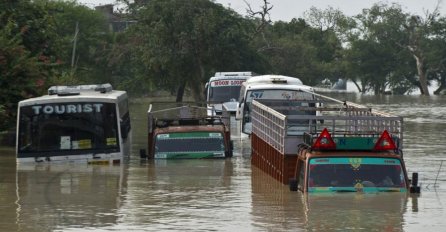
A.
pixel 100 151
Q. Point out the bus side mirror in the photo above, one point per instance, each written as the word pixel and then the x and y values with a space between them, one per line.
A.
pixel 205 91
pixel 238 114
pixel 125 129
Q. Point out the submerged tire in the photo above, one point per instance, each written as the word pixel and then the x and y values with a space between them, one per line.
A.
pixel 229 154
pixel 293 184
pixel 142 153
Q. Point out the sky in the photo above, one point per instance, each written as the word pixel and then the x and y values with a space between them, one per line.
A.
pixel 286 10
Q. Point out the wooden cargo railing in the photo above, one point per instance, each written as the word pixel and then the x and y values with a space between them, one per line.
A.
pixel 184 112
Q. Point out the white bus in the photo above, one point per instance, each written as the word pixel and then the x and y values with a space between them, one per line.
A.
pixel 224 89
pixel 270 87
pixel 74 123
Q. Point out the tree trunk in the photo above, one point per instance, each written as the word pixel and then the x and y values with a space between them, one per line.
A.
pixel 422 75
pixel 195 84
pixel 197 90
pixel 357 86
pixel 441 86
pixel 180 92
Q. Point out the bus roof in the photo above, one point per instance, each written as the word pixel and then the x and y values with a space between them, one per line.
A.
pixel 257 86
pixel 231 76
pixel 274 79
pixel 78 93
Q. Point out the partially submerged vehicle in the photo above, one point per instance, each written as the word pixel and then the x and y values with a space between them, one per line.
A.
pixel 188 132
pixel 89 123
pixel 330 146
pixel 339 162
pixel 224 89
pixel 268 87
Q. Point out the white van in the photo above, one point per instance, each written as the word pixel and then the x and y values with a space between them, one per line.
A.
pixel 224 89
pixel 269 87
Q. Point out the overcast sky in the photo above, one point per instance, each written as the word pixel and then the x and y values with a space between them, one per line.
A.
pixel 287 9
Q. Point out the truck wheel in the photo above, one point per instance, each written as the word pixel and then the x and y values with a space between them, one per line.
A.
pixel 293 184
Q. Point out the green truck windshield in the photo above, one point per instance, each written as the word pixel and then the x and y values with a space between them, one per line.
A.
pixel 190 145
pixel 355 174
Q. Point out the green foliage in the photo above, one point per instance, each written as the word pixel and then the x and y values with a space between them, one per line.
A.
pixel 182 43
pixel 401 51
pixel 90 46
pixel 176 45
pixel 35 49
pixel 25 58
pixel 376 56
pixel 299 50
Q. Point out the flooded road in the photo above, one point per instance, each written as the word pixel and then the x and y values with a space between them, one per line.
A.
pixel 224 194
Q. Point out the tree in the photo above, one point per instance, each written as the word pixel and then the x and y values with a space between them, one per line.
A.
pixel 402 37
pixel 374 56
pixel 296 49
pixel 80 54
pixel 26 59
pixel 426 38
pixel 182 43
pixel 436 55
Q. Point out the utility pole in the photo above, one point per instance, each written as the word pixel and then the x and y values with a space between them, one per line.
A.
pixel 73 55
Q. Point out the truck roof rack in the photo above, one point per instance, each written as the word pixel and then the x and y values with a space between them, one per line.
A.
pixel 183 114
pixel 352 142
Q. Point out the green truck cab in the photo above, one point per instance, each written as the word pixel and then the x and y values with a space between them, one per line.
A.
pixel 350 163
pixel 187 132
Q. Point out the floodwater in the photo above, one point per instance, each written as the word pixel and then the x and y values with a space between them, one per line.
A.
pixel 224 194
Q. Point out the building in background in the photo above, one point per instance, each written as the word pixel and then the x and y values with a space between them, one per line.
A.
pixel 116 21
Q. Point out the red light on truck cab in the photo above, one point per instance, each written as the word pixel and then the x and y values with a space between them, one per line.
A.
pixel 385 142
pixel 324 141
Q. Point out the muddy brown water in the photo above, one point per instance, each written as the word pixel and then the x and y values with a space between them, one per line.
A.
pixel 224 194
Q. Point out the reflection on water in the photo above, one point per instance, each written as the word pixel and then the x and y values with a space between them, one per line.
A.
pixel 274 207
pixel 367 212
pixel 8 197
pixel 178 194
pixel 67 195
pixel 224 194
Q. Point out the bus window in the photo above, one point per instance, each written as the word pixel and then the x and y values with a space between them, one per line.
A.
pixel 275 94
pixel 68 126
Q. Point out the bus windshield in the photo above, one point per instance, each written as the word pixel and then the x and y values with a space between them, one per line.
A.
pixel 68 126
pixel 224 90
pixel 355 174
pixel 190 145
pixel 275 94
pixel 278 94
